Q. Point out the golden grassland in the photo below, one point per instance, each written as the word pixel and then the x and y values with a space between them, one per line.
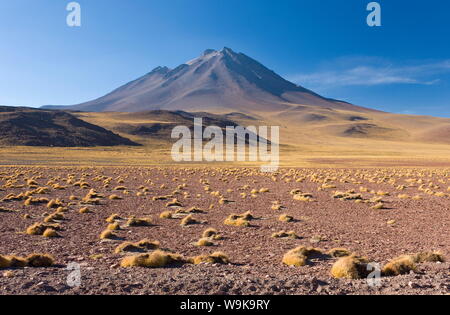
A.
pixel 373 154
pixel 392 141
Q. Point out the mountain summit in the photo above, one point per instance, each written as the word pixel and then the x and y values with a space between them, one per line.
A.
pixel 217 81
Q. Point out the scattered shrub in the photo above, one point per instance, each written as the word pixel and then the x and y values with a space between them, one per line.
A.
pixel 429 257
pixel 215 258
pixel 284 234
pixel 140 246
pixel 166 215
pixel 133 221
pixel 211 233
pixel 189 220
pixel 157 259
pixel 108 234
pixel 112 218
pixel 299 256
pixel 40 260
pixel 399 266
pixel 350 267
pixel 204 242
pixel 49 232
pixel 286 218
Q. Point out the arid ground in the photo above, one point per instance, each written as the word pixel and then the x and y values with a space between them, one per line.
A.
pixel 377 213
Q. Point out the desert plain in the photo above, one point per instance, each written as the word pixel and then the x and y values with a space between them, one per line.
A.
pixel 223 230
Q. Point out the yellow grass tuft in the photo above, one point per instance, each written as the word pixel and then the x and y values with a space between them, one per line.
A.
pixel 286 218
pixel 40 260
pixel 5 262
pixel 214 258
pixel 39 228
pixel 55 203
pixel 133 221
pixel 378 206
pixel 108 234
pixel 157 259
pixel 140 246
pixel 204 242
pixel 399 266
pixel 284 234
pixel 49 232
pixel 211 233
pixel 429 257
pixel 33 260
pixel 350 267
pixel 17 262
pixel 84 210
pixel 112 218
pixel 299 256
pixel 236 220
pixel 189 220
pixel 166 215
pixel 113 226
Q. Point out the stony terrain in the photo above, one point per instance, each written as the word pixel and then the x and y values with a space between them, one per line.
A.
pixel 377 213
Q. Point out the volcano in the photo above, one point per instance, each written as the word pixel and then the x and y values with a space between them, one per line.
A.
pixel 218 81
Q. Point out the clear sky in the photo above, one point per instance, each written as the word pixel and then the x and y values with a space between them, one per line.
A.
pixel 402 66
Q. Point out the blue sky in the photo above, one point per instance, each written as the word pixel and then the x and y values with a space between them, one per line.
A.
pixel 403 66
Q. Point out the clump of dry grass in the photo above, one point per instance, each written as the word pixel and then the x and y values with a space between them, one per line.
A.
pixel 195 210
pixel 39 228
pixel 84 210
pixel 236 220
pixel 156 259
pixel 140 246
pixel 429 257
pixel 113 226
pixel 350 267
pixel 50 233
pixel 299 256
pixel 112 218
pixel 56 216
pixel 92 198
pixel 378 206
pixel 399 266
pixel 286 218
pixel 17 262
pixel 305 197
pixel 40 260
pixel 346 196
pixel 174 203
pixel 189 220
pixel 276 207
pixel 33 260
pixel 284 234
pixel 166 215
pixel 108 235
pixel 133 221
pixel 5 262
pixel 55 203
pixel 212 234
pixel 205 241
pixel 214 258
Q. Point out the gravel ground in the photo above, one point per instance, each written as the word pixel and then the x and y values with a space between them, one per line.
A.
pixel 256 267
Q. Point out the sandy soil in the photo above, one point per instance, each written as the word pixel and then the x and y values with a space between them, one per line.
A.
pixel 256 268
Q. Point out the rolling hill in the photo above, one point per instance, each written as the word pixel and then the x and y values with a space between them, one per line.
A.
pixel 34 127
